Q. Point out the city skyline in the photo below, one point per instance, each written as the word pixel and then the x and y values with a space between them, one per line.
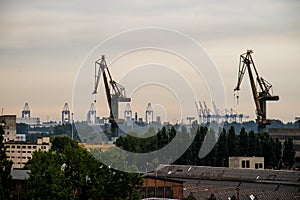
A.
pixel 43 45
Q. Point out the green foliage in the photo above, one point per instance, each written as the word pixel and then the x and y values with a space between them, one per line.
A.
pixel 5 168
pixel 243 142
pixel 232 141
pixel 288 156
pixel 253 144
pixel 70 172
pixel 277 149
pixel 229 144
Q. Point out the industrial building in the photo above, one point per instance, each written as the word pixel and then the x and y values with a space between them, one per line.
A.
pixel 161 188
pixel 224 183
pixel 284 133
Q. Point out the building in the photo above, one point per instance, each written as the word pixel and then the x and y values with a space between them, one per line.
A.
pixel 21 152
pixel 159 187
pixel 224 183
pixel 19 177
pixel 32 121
pixel 9 125
pixel 284 133
pixel 246 162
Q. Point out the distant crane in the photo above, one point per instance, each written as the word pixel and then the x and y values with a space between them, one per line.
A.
pixel 26 111
pixel 199 112
pixel 260 97
pixel 217 114
pixel 114 95
pixel 149 112
pixel 65 114
pixel 128 113
pixel 207 112
pixel 91 115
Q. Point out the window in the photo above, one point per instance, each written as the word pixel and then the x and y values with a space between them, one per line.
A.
pixel 256 165
pixel 34 147
pixel 151 191
pixel 23 157
pixel 28 151
pixel 247 163
pixel 260 165
pixel 168 192
pixel 243 164
pixel 13 146
pixel 18 147
pixel 159 192
pixel 13 151
pixel 23 151
pixel 29 147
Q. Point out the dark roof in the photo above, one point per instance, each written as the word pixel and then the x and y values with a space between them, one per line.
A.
pixel 20 174
pixel 163 178
pixel 224 173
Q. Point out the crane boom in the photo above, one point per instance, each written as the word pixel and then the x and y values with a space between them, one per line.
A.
pixel 260 98
pixel 113 97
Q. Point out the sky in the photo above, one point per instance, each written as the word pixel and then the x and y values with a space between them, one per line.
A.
pixel 44 43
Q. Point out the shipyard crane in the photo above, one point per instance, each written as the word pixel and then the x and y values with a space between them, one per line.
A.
pixel 260 97
pixel 128 113
pixel 115 92
pixel 217 115
pixel 149 112
pixel 199 112
pixel 207 112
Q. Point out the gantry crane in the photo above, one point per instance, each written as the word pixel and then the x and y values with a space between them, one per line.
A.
pixel 114 95
pixel 260 97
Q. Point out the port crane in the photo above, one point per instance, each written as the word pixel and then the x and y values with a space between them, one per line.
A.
pixel 115 92
pixel 261 94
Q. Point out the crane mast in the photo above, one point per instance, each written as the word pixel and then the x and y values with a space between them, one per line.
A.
pixel 260 97
pixel 113 97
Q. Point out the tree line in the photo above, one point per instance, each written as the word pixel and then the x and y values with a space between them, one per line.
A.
pixel 229 144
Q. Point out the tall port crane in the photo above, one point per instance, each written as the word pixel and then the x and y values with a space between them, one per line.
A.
pixel 115 92
pixel 260 97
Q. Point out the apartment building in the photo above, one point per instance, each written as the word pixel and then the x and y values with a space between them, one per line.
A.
pixel 21 152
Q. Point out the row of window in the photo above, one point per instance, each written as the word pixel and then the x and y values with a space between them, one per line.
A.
pixel 7 151
pixel 25 147
pixel 162 192
pixel 23 157
pixel 22 146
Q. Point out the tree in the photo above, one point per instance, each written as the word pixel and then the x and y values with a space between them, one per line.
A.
pixel 232 143
pixel 243 143
pixel 266 149
pixel 222 150
pixel 70 172
pixel 277 149
pixel 288 156
pixel 5 168
pixel 253 144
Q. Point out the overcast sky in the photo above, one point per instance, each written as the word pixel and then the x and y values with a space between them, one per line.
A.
pixel 43 44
